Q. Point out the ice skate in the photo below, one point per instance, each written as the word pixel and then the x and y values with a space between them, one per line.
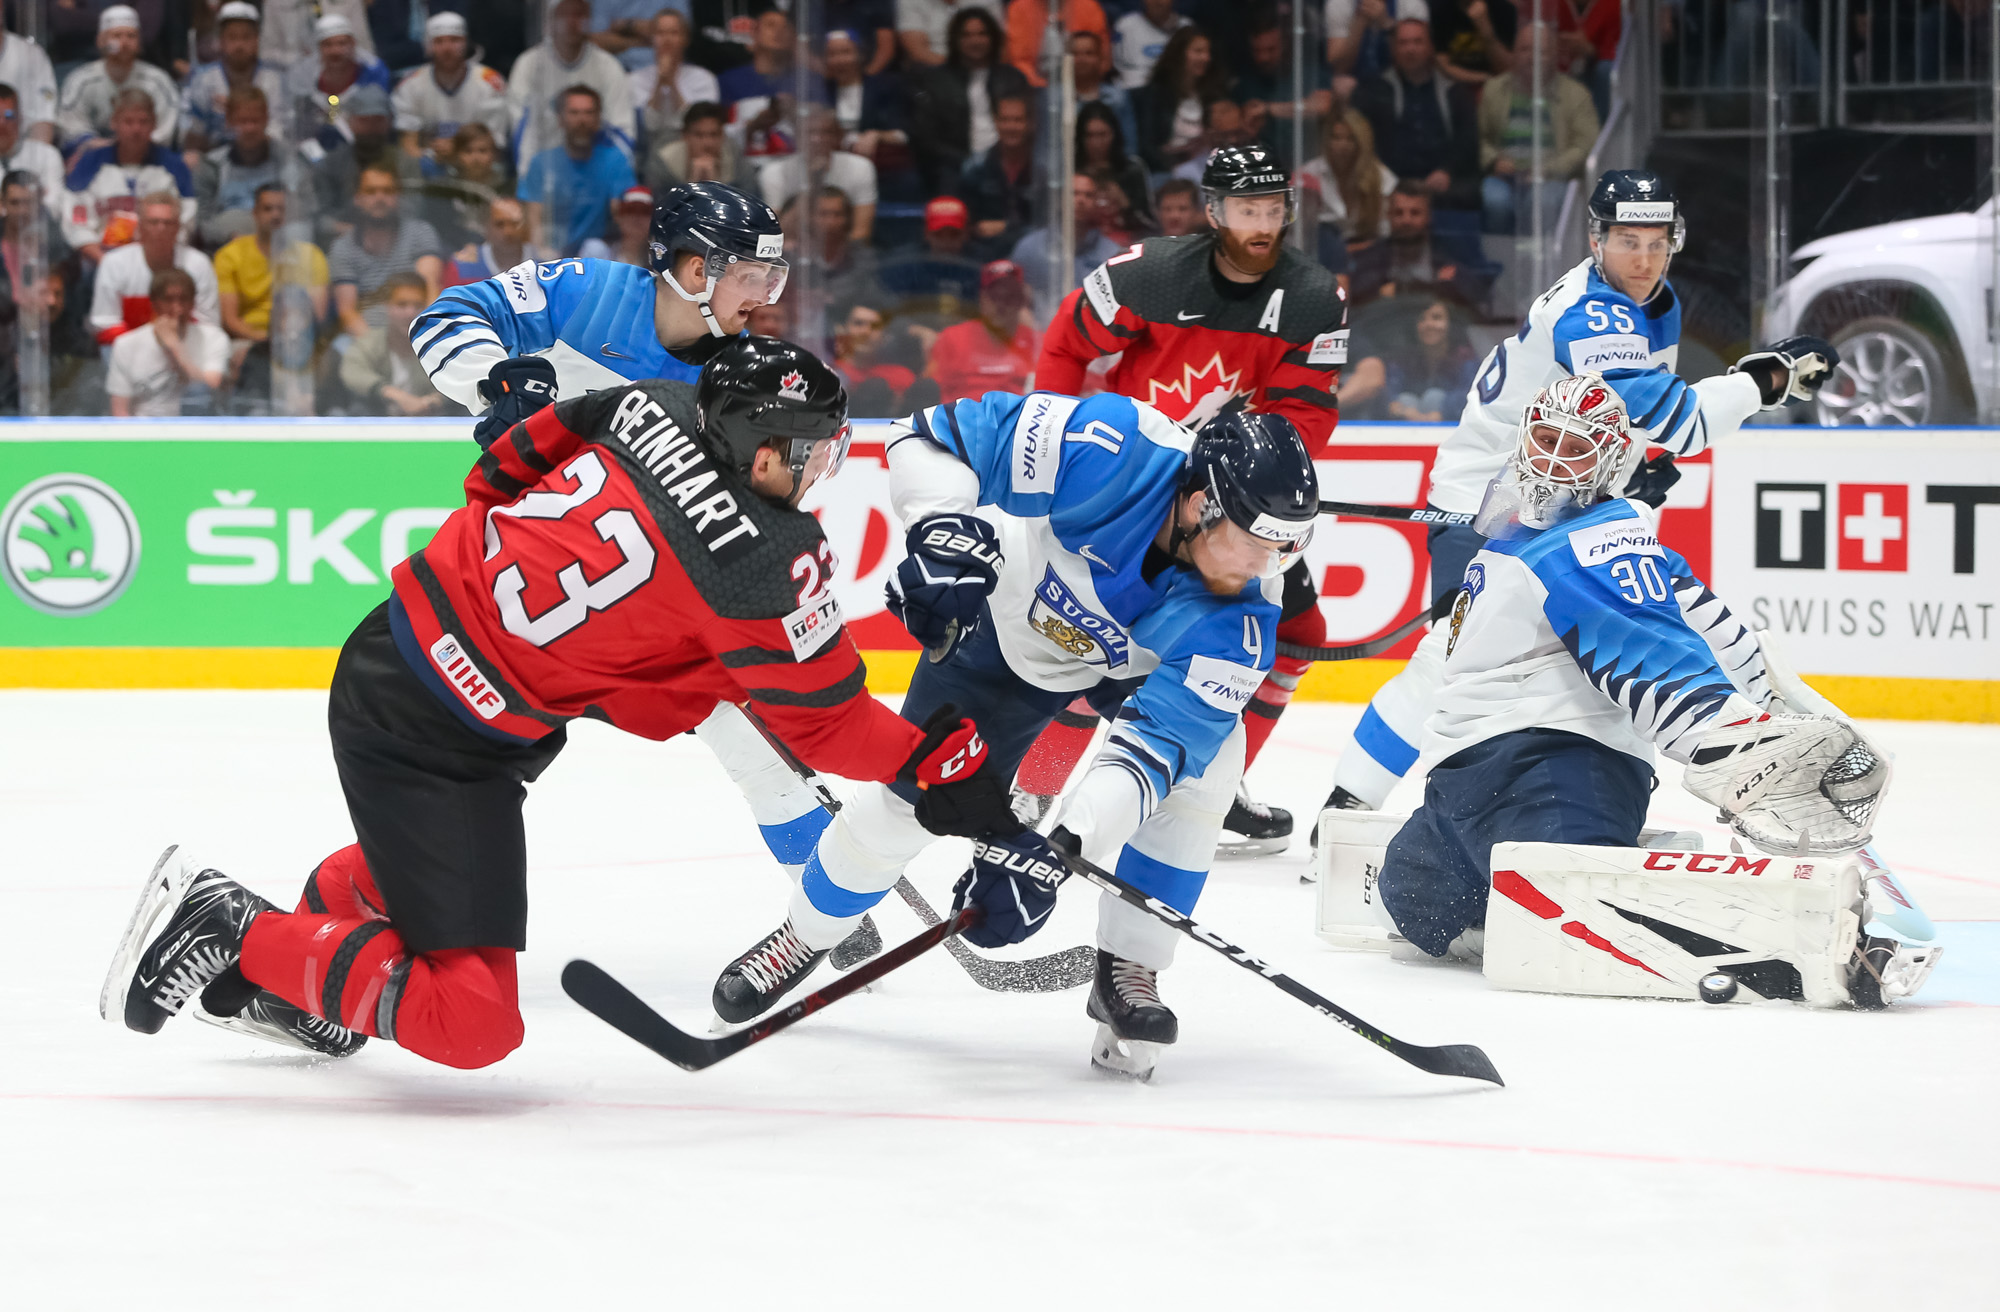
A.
pixel 863 943
pixel 767 972
pixel 269 1017
pixel 1337 800
pixel 1254 829
pixel 1133 1024
pixel 187 929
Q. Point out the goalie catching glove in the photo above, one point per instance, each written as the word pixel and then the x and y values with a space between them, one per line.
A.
pixel 1791 783
pixel 514 389
pixel 953 565
pixel 1792 370
pixel 1013 881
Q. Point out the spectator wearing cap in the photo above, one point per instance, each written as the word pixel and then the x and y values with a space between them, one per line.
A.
pixel 704 153
pixel 381 243
pixel 433 102
pixel 367 141
pixel 543 76
pixel 321 87
pixel 759 93
pixel 994 352
pixel 173 365
pixel 228 178
pixel 632 222
pixel 505 245
pixel 942 269
pixel 69 32
pixel 118 300
pixel 83 115
pixel 25 67
pixel 205 108
pixel 105 182
pixel 667 86
pixel 569 188
pixel 381 371
pixel 288 36
pixel 783 179
pixel 20 152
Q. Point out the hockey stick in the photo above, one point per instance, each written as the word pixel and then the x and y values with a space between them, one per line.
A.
pixel 1409 514
pixel 617 1006
pixel 1375 646
pixel 1460 1059
pixel 1068 969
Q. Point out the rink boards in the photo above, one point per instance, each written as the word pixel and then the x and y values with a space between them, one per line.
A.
pixel 205 553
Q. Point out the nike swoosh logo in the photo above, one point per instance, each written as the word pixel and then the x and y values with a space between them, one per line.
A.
pixel 1184 316
pixel 1094 558
pixel 620 355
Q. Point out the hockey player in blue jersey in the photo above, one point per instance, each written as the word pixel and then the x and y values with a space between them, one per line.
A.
pixel 1614 314
pixel 518 341
pixel 1060 548
pixel 1579 646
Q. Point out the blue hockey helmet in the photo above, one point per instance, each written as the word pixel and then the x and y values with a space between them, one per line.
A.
pixel 736 235
pixel 1258 475
pixel 1638 197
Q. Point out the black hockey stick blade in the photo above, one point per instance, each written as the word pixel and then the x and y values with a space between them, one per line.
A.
pixel 591 988
pixel 1461 1059
pixel 1069 969
pixel 1408 514
pixel 1375 646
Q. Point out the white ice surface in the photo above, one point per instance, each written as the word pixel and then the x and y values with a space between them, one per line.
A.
pixel 928 1144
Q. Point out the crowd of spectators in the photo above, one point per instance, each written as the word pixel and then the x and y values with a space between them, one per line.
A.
pixel 219 190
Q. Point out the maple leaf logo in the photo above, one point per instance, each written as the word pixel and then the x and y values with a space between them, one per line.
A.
pixel 793 385
pixel 1196 386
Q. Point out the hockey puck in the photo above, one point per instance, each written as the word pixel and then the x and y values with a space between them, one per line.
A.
pixel 1718 987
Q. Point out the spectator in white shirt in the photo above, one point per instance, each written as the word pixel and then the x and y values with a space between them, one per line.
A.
pixel 83 114
pixel 153 368
pixel 288 28
pixel 435 101
pixel 125 277
pixel 563 60
pixel 921 28
pixel 25 67
pixel 23 153
pixel 783 179
pixel 205 120
pixel 1140 36
pixel 664 89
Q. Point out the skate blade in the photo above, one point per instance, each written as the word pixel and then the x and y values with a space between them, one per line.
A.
pixel 162 889
pixel 1127 1059
pixel 249 1029
pixel 1238 848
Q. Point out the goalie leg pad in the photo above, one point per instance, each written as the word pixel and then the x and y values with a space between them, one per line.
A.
pixel 1531 785
pixel 1348 860
pixel 1637 922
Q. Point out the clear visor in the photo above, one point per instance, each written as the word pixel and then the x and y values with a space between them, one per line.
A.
pixel 1238 550
pixel 822 457
pixel 1265 212
pixel 738 279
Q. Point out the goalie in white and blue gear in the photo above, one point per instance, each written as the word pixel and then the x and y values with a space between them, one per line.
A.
pixel 1579 645
pixel 1060 548
pixel 1614 314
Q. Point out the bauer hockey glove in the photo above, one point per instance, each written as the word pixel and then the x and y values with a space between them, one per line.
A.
pixel 956 793
pixel 513 390
pixel 1652 480
pixel 1013 881
pixel 952 566
pixel 1791 370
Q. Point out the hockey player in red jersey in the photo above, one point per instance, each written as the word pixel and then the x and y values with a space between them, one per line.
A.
pixel 1200 320
pixel 635 555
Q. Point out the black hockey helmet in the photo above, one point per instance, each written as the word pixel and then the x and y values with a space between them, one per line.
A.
pixel 735 234
pixel 757 392
pixel 1249 170
pixel 1635 196
pixel 1258 475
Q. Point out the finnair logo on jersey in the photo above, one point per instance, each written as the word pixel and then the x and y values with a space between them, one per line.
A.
pixel 1595 355
pixel 1037 435
pixel 1225 685
pixel 470 681
pixel 1621 537
pixel 1065 621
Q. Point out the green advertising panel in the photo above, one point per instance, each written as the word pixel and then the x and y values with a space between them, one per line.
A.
pixel 246 533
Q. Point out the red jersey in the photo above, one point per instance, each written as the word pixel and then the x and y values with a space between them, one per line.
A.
pixel 968 361
pixel 1192 339
pixel 606 565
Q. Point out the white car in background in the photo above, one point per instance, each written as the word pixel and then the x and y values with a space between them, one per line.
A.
pixel 1907 304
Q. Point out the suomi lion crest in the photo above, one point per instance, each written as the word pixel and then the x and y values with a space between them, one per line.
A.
pixel 69 544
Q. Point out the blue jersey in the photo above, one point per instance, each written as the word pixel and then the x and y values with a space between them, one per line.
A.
pixel 1596 628
pixel 1078 490
pixel 591 319
pixel 1585 325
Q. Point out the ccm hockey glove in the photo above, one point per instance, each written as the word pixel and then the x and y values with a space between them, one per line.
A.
pixel 953 565
pixel 1013 881
pixel 1791 370
pixel 956 793
pixel 514 389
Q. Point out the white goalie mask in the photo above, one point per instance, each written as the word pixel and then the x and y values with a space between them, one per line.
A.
pixel 1573 446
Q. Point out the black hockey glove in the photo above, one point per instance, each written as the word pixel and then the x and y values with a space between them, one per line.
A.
pixel 514 389
pixel 956 793
pixel 1013 882
pixel 953 565
pixel 1791 370
pixel 1650 481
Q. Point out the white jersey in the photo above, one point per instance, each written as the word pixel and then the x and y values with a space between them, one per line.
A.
pixel 1582 325
pixel 1594 628
pixel 84 108
pixel 539 76
pixel 25 67
pixel 125 276
pixel 427 109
